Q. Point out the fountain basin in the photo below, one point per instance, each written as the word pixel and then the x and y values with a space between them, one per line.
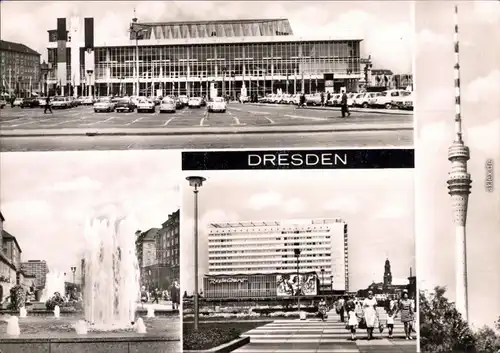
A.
pixel 47 334
pixel 74 313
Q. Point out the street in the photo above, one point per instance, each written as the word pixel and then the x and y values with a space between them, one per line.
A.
pixel 242 126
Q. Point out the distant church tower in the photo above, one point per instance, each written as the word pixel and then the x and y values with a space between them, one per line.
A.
pixel 387 273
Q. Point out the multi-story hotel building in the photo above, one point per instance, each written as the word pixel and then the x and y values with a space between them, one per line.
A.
pixel 167 251
pixel 19 69
pixel 252 259
pixel 233 56
pixel 37 268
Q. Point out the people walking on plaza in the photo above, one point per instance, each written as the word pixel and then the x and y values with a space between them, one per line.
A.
pixel 341 308
pixel 370 314
pixel 322 99
pixel 156 296
pixel 302 100
pixel 407 313
pixel 391 314
pixel 344 107
pixel 47 105
pixel 144 296
pixel 322 309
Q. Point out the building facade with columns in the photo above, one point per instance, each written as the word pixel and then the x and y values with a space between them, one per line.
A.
pixel 189 58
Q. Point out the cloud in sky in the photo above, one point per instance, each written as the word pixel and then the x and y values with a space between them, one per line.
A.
pixel 435 113
pixel 311 194
pixel 49 196
pixel 385 26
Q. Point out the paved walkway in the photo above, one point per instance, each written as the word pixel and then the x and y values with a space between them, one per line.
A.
pixel 315 336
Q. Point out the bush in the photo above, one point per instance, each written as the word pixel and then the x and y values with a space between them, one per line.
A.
pixel 442 328
pixel 487 340
pixel 17 298
pixel 208 337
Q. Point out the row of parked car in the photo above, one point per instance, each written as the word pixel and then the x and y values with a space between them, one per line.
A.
pixel 400 99
pixel 169 104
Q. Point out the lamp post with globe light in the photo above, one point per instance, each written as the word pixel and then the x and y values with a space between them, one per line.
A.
pixel 297 255
pixel 196 182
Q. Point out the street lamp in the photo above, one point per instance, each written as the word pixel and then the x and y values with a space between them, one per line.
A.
pixel 322 280
pixel 136 30
pixel 73 269
pixel 331 284
pixel 196 182
pixel 224 69
pixel 297 255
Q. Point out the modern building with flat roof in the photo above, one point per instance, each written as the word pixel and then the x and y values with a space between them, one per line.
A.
pixel 19 69
pixel 258 257
pixel 254 56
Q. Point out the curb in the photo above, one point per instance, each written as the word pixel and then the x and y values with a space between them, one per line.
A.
pixel 191 133
pixel 358 110
pixel 224 348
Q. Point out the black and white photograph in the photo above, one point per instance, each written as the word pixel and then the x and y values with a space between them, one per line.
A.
pixel 457 206
pixel 298 261
pixel 89 255
pixel 80 75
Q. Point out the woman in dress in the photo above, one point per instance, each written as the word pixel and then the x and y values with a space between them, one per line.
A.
pixel 391 314
pixel 406 308
pixel 322 309
pixel 370 313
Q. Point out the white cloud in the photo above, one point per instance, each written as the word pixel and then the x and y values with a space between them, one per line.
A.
pixel 488 11
pixel 485 137
pixel 426 38
pixel 79 184
pixel 343 204
pixel 484 89
pixel 16 210
pixel 433 133
pixel 264 200
pixel 392 209
pixel 294 205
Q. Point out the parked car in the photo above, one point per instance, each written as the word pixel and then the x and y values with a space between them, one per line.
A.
pixel 399 100
pixel 364 100
pixel 88 101
pixel 244 99
pixel 313 99
pixel 124 105
pixel 184 100
pixel 218 104
pixel 104 104
pixel 29 103
pixel 168 105
pixel 194 102
pixel 335 100
pixel 407 102
pixel 60 103
pixel 17 102
pixel 42 101
pixel 384 99
pixel 146 105
pixel 178 103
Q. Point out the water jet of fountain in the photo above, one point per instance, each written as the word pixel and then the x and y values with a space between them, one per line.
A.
pixel 139 326
pixel 151 312
pixel 111 273
pixel 57 311
pixel 22 312
pixel 13 326
pixel 54 282
pixel 81 327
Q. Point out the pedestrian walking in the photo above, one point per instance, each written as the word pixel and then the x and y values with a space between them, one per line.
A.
pixel 341 309
pixel 175 295
pixel 344 107
pixel 391 314
pixel 47 106
pixel 322 96
pixel 322 309
pixel 144 296
pixel 352 317
pixel 328 97
pixel 302 100
pixel 370 314
pixel 407 313
pixel 156 295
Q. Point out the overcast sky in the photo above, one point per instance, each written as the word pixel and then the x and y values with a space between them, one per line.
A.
pixel 46 197
pixel 480 77
pixel 386 26
pixel 376 204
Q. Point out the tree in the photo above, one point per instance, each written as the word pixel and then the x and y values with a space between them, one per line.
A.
pixel 442 328
pixel 487 340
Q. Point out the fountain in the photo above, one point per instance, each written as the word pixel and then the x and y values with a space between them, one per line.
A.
pixel 111 274
pixel 139 326
pixel 57 311
pixel 54 282
pixel 22 312
pixel 151 312
pixel 13 326
pixel 81 327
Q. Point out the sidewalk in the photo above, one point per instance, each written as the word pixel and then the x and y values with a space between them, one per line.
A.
pixel 360 110
pixel 337 127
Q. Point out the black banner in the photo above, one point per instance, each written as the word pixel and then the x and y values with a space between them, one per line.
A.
pixel 89 32
pixel 61 29
pixel 299 159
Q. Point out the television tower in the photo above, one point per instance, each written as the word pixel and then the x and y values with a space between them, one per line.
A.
pixel 459 185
